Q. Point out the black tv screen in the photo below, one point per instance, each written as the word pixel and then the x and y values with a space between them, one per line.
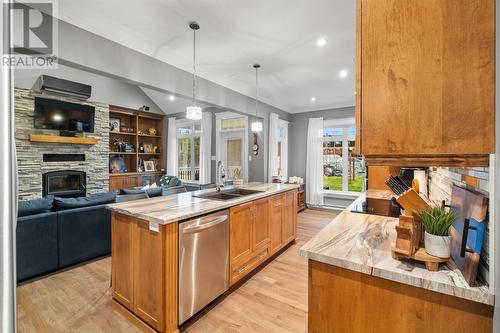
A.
pixel 63 116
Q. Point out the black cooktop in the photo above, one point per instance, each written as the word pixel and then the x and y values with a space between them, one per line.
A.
pixel 382 207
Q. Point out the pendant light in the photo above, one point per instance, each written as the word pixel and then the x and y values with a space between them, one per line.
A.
pixel 256 125
pixel 193 112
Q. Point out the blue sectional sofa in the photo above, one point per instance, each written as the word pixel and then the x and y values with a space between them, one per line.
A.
pixel 53 233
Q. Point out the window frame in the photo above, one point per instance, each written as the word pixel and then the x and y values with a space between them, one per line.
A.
pixel 344 123
pixel 219 117
pixel 193 135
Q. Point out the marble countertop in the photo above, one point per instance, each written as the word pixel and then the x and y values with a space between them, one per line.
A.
pixel 362 243
pixel 177 207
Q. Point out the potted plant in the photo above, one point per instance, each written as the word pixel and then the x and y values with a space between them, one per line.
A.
pixel 437 221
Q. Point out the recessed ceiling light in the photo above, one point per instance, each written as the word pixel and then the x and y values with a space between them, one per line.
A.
pixel 171 97
pixel 321 41
pixel 343 73
pixel 313 99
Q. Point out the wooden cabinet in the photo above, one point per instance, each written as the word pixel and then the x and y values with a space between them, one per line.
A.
pixel 122 260
pixel 276 216
pixel 149 279
pixel 301 198
pixel 425 82
pixel 241 220
pixel 261 225
pixel 144 270
pixel 121 181
pixel 259 229
pixel 289 223
pixel 248 238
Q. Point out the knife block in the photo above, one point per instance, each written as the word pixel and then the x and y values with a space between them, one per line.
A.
pixel 409 236
pixel 412 202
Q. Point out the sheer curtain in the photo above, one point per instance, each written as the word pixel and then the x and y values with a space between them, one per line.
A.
pixel 172 147
pixel 205 148
pixel 314 162
pixel 273 142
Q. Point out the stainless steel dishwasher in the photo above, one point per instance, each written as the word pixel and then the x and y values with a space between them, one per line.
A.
pixel 203 262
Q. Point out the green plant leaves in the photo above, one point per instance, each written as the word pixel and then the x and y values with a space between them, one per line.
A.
pixel 437 221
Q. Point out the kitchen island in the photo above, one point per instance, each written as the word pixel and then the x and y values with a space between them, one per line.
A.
pixel 146 244
pixel 356 286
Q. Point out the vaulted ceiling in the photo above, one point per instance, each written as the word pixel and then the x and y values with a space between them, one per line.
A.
pixel 281 35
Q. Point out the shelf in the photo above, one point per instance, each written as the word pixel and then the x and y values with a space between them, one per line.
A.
pixel 120 153
pixel 135 173
pixel 77 140
pixel 121 133
pixel 149 154
pixel 149 136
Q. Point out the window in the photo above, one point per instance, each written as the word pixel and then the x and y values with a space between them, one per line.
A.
pixel 188 150
pixel 342 170
pixel 281 149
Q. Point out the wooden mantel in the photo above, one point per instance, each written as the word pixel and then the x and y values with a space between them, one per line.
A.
pixel 78 140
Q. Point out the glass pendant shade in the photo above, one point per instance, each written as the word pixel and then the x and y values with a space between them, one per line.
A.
pixel 193 112
pixel 256 126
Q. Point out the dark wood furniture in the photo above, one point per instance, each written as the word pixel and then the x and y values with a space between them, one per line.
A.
pixel 425 82
pixel 301 198
pixel 139 124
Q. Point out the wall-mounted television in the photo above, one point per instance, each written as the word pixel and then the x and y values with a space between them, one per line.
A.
pixel 63 116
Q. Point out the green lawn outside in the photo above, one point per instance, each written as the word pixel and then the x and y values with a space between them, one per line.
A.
pixel 334 183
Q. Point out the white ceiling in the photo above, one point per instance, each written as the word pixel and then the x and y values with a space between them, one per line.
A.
pixel 279 34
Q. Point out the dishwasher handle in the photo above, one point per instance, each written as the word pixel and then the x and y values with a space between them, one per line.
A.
pixel 205 225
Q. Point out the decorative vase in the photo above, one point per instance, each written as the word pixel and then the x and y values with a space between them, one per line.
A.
pixel 437 246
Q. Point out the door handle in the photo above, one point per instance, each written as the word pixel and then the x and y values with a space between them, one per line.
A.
pixel 206 225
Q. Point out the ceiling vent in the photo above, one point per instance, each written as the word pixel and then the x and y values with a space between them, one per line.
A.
pixel 63 87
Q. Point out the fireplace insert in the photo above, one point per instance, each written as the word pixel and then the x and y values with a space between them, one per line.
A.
pixel 65 183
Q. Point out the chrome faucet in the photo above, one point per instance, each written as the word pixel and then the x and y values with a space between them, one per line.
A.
pixel 219 174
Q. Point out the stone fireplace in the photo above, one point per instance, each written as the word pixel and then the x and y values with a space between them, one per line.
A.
pixel 65 183
pixel 37 159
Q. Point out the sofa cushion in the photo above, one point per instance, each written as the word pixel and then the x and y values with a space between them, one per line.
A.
pixel 132 191
pixel 35 206
pixel 36 245
pixel 83 234
pixel 154 192
pixel 91 200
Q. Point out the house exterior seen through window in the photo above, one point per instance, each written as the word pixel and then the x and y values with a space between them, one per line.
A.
pixel 188 151
pixel 342 170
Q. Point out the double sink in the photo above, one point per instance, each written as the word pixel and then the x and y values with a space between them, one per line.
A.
pixel 228 194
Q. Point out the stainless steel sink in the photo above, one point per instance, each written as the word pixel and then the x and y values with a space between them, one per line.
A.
pixel 241 191
pixel 226 194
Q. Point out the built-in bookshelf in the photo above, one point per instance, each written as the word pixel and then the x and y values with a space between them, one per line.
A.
pixel 135 137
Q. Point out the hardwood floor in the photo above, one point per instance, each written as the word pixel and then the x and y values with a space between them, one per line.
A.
pixel 79 299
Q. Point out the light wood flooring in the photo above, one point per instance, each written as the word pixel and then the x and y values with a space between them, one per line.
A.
pixel 79 299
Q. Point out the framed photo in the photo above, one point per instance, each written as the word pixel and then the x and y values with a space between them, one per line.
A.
pixel 114 124
pixel 148 148
pixel 149 166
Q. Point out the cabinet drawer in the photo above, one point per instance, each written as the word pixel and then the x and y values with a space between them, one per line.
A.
pixel 240 271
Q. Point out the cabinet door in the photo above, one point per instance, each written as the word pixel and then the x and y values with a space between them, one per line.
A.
pixel 426 77
pixel 132 181
pixel 240 229
pixel 275 219
pixel 116 183
pixel 122 260
pixel 149 275
pixel 261 226
pixel 290 217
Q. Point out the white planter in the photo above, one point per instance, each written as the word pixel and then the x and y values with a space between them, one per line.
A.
pixel 438 246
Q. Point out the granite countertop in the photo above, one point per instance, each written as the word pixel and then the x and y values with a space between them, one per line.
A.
pixel 177 207
pixel 362 243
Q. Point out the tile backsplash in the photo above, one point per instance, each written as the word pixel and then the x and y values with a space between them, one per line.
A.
pixel 441 180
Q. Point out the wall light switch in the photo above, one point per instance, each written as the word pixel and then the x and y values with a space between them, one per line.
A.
pixel 153 226
pixel 249 158
pixel 213 158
